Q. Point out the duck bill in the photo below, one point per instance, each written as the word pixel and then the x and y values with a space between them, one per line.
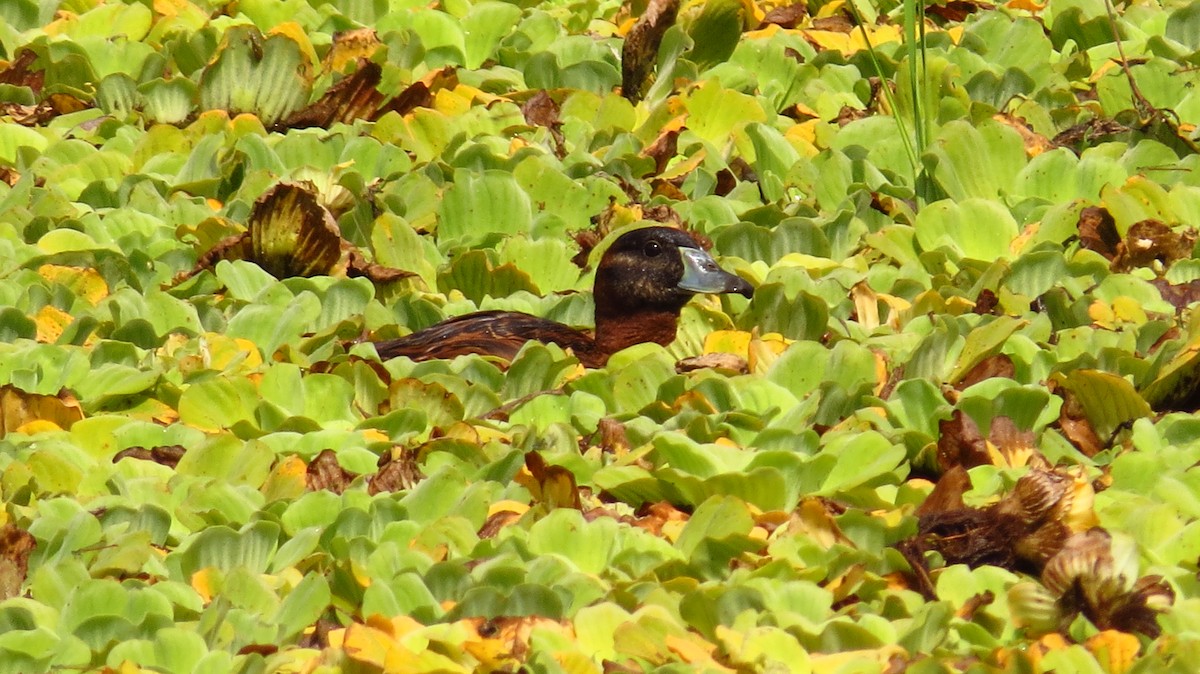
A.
pixel 702 274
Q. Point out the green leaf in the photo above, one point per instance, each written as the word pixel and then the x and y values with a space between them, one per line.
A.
pixel 1109 401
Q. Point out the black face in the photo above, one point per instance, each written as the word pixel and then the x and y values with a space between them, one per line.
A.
pixel 660 268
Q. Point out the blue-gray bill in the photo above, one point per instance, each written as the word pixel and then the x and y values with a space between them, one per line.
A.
pixel 702 274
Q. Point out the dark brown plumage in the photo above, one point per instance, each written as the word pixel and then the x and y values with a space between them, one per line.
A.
pixel 642 283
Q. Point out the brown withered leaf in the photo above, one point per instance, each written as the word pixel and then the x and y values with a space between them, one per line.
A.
pixel 849 114
pixel 1087 579
pixel 16 544
pixel 1009 438
pixel 19 72
pixel 1074 424
pixel 996 365
pixel 728 363
pixel 542 110
pixel 350 45
pixel 788 16
pixel 663 149
pixel 18 408
pixel 970 607
pixel 668 188
pixel 1098 231
pixel 326 474
pixel 836 23
pixel 1023 530
pixel 725 182
pixel 290 233
pixel 318 636
pixel 956 10
pixel 358 266
pixel 612 436
pixel 1150 241
pixel 552 486
pixel 496 522
pixel 1180 295
pixel 961 443
pixel 9 176
pixel 398 471
pixel 986 303
pixel 640 51
pixel 420 94
pixel 44 111
pixel 355 96
pixel 164 455
pixel 1089 133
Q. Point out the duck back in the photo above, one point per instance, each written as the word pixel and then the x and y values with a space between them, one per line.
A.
pixel 493 333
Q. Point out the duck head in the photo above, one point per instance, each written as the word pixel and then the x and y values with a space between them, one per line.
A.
pixel 645 278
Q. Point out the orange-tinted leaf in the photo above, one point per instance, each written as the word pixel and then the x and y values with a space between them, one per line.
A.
pixel 18 408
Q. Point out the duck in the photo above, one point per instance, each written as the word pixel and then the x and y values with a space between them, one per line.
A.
pixel 644 279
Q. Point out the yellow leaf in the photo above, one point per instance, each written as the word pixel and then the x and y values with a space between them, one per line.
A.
pixel 288 479
pixel 20 410
pixel 1026 5
pixel 85 283
pixel 684 167
pixel 736 342
pixel 206 582
pixel 51 322
pixel 508 506
pixel 350 45
pixel 38 426
pixel 855 660
pixel 765 350
pixel 371 645
pixel 451 103
pixel 1101 314
pixel 694 650
pixel 1115 651
pixel 866 305
pixel 1129 310
pixel 295 32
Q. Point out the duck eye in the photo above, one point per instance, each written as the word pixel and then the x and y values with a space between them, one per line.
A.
pixel 652 249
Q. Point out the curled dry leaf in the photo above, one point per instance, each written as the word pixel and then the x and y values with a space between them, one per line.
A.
pixel 552 486
pixel 1098 231
pixel 1074 424
pixel 419 94
pixel 1087 577
pixel 16 544
pixel 640 50
pixel 325 473
pixel 664 148
pixel 542 110
pixel 164 455
pixel 398 471
pixel 1151 243
pixel 1180 295
pixel 1023 530
pixel 1089 133
pixel 291 234
pixel 722 362
pixel 787 16
pixel 355 96
pixel 996 365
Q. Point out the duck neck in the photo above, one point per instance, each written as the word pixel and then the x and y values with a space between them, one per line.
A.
pixel 618 331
